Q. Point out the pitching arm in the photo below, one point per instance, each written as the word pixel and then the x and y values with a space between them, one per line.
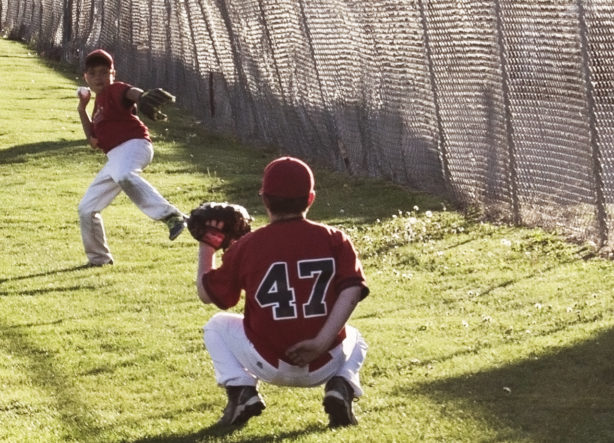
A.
pixel 86 121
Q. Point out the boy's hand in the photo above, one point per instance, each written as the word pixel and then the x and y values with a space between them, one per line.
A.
pixel 219 224
pixel 83 92
pixel 84 95
pixel 84 99
pixel 93 142
pixel 304 352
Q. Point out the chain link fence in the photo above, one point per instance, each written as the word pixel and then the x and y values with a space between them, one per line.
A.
pixel 503 104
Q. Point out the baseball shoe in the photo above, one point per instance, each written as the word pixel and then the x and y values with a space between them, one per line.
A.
pixel 244 402
pixel 176 224
pixel 338 396
pixel 89 264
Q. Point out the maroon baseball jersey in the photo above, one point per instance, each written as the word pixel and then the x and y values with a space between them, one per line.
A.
pixel 114 120
pixel 292 272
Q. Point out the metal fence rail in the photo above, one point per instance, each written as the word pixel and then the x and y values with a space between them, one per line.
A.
pixel 505 104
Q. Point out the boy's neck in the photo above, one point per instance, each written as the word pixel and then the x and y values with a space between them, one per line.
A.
pixel 281 217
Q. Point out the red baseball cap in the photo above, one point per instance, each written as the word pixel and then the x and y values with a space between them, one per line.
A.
pixel 99 56
pixel 287 177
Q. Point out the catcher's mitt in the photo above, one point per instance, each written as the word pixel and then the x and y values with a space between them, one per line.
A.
pixel 152 100
pixel 236 223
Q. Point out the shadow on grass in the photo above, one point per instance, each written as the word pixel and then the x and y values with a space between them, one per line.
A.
pixel 17 154
pixel 45 274
pixel 217 433
pixel 42 291
pixel 564 396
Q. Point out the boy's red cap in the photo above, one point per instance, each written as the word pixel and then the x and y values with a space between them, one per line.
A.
pixel 99 55
pixel 287 177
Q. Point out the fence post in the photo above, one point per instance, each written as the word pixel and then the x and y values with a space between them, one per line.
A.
pixel 441 140
pixel 241 80
pixel 509 129
pixel 67 23
pixel 594 134
pixel 327 106
pixel 212 106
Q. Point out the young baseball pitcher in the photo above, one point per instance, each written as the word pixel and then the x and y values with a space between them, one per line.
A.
pixel 115 129
pixel 302 281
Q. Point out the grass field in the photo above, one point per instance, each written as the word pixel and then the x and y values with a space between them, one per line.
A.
pixel 477 332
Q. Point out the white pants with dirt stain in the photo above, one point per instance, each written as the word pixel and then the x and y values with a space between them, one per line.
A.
pixel 121 173
pixel 237 363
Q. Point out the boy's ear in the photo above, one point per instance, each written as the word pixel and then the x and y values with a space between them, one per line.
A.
pixel 312 197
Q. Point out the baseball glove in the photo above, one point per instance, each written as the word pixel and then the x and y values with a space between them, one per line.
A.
pixel 236 223
pixel 152 100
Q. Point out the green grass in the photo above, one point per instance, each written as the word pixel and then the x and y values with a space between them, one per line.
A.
pixel 477 332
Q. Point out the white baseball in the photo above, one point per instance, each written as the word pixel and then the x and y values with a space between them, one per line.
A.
pixel 83 91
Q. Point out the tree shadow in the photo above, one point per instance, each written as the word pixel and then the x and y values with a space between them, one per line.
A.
pixel 563 396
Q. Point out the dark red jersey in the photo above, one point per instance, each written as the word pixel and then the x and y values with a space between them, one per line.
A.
pixel 114 120
pixel 292 272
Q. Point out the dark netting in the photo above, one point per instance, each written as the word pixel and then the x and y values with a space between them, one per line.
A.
pixel 503 104
pixel 599 34
pixel 551 135
pixel 465 59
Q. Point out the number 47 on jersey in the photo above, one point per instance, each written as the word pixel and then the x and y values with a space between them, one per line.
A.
pixel 275 289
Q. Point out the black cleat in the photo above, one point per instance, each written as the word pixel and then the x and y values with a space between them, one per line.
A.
pixel 244 402
pixel 97 265
pixel 338 396
pixel 176 224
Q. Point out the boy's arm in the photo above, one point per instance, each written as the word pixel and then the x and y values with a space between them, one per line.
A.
pixel 306 351
pixel 206 262
pixel 86 122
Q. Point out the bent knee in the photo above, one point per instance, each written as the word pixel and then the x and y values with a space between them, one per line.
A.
pixel 223 320
pixel 215 322
pixel 84 210
pixel 125 179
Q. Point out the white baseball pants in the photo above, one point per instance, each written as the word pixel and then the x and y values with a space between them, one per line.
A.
pixel 237 363
pixel 121 173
